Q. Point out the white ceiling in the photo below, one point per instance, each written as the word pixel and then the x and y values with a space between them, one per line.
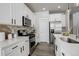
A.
pixel 51 7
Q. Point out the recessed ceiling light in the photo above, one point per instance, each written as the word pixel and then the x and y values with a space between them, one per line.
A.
pixel 43 8
pixel 59 7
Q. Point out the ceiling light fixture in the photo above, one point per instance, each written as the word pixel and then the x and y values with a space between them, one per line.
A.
pixel 68 9
pixel 59 7
pixel 43 8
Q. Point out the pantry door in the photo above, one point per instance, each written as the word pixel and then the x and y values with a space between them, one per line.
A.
pixel 44 30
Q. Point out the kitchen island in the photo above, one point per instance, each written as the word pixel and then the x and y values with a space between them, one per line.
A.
pixel 64 48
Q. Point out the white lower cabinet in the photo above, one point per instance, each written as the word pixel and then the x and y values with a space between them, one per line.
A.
pixel 9 50
pixel 24 48
pixel 15 52
pixel 58 48
pixel 19 49
pixel 26 51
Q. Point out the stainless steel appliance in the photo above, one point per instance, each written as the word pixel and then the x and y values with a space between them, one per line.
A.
pixel 32 41
pixel 26 21
pixel 22 33
pixel 51 32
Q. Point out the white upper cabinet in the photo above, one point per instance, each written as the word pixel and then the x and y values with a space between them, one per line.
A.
pixel 5 13
pixel 11 13
pixel 17 13
pixel 19 10
pixel 63 20
pixel 58 18
pixel 52 17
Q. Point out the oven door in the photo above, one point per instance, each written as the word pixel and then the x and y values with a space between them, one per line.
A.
pixel 32 40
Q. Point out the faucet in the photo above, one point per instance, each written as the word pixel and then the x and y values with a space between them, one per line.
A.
pixel 76 36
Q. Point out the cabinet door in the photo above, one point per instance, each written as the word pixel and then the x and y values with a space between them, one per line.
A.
pixel 25 48
pixel 5 13
pixel 78 24
pixel 52 17
pixel 63 21
pixel 75 23
pixel 26 45
pixel 15 52
pixel 12 50
pixel 13 13
pixel 58 17
pixel 21 48
pixel 17 13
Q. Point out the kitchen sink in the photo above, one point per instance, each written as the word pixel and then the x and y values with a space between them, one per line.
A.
pixel 64 39
pixel 69 40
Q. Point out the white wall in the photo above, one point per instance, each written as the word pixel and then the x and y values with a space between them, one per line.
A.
pixel 42 26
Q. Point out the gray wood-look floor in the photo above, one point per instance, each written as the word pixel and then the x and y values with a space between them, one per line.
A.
pixel 44 49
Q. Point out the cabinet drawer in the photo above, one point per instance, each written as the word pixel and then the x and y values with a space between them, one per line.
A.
pixel 9 49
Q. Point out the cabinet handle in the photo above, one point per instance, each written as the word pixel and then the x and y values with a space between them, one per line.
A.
pixel 26 40
pixel 56 47
pixel 23 48
pixel 12 20
pixel 14 47
pixel 63 54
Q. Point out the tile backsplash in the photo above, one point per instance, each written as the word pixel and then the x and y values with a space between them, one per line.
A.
pixel 6 29
pixel 9 29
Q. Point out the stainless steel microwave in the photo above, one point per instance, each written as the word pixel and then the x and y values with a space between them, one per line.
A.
pixel 26 21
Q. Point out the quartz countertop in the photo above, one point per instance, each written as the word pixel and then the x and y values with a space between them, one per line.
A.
pixel 72 36
pixel 12 41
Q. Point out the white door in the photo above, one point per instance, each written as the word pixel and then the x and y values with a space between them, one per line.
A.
pixel 44 30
